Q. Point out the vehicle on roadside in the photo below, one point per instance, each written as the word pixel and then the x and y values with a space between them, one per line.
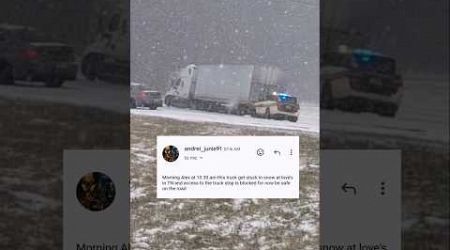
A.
pixel 28 55
pixel 225 88
pixel 278 106
pixel 147 98
pixel 355 78
pixel 360 81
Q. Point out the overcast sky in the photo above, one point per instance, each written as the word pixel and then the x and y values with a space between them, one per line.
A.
pixel 173 33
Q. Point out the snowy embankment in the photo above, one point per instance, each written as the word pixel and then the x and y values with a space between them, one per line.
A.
pixel 33 136
pixel 308 120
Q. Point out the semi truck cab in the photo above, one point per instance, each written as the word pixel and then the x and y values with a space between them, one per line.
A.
pixel 181 84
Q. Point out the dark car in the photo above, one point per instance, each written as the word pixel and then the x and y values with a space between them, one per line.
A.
pixel 28 55
pixel 147 98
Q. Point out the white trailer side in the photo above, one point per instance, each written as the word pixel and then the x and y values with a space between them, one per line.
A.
pixel 223 83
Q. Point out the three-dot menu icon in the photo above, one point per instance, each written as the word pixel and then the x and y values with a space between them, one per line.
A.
pixel 383 188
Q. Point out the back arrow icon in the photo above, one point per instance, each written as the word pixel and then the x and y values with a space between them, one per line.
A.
pixel 346 187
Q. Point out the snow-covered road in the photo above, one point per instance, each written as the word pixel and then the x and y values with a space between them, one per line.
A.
pixel 308 120
pixel 422 115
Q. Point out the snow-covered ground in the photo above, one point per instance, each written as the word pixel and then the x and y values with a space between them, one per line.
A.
pixel 33 135
pixel 307 122
pixel 218 223
pixel 423 114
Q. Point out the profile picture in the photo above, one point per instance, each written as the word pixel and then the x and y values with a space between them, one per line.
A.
pixel 95 191
pixel 170 153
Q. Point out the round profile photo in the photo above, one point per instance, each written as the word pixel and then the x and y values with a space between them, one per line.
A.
pixel 170 153
pixel 95 191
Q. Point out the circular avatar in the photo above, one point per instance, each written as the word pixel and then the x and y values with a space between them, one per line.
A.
pixel 96 191
pixel 170 153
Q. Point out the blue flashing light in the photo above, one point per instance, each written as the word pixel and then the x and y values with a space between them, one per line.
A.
pixel 283 97
pixel 365 58
pixel 364 55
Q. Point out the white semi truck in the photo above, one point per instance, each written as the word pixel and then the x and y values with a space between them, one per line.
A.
pixel 240 89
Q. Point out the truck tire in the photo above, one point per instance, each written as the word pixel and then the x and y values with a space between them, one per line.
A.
pixel 6 74
pixel 292 119
pixel 245 109
pixel 168 100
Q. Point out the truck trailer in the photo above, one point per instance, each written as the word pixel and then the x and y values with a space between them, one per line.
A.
pixel 227 88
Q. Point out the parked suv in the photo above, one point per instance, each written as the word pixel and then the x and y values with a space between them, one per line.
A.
pixel 26 54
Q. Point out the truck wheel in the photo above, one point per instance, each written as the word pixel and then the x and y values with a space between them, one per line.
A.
pixel 168 100
pixel 6 74
pixel 267 113
pixel 292 119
